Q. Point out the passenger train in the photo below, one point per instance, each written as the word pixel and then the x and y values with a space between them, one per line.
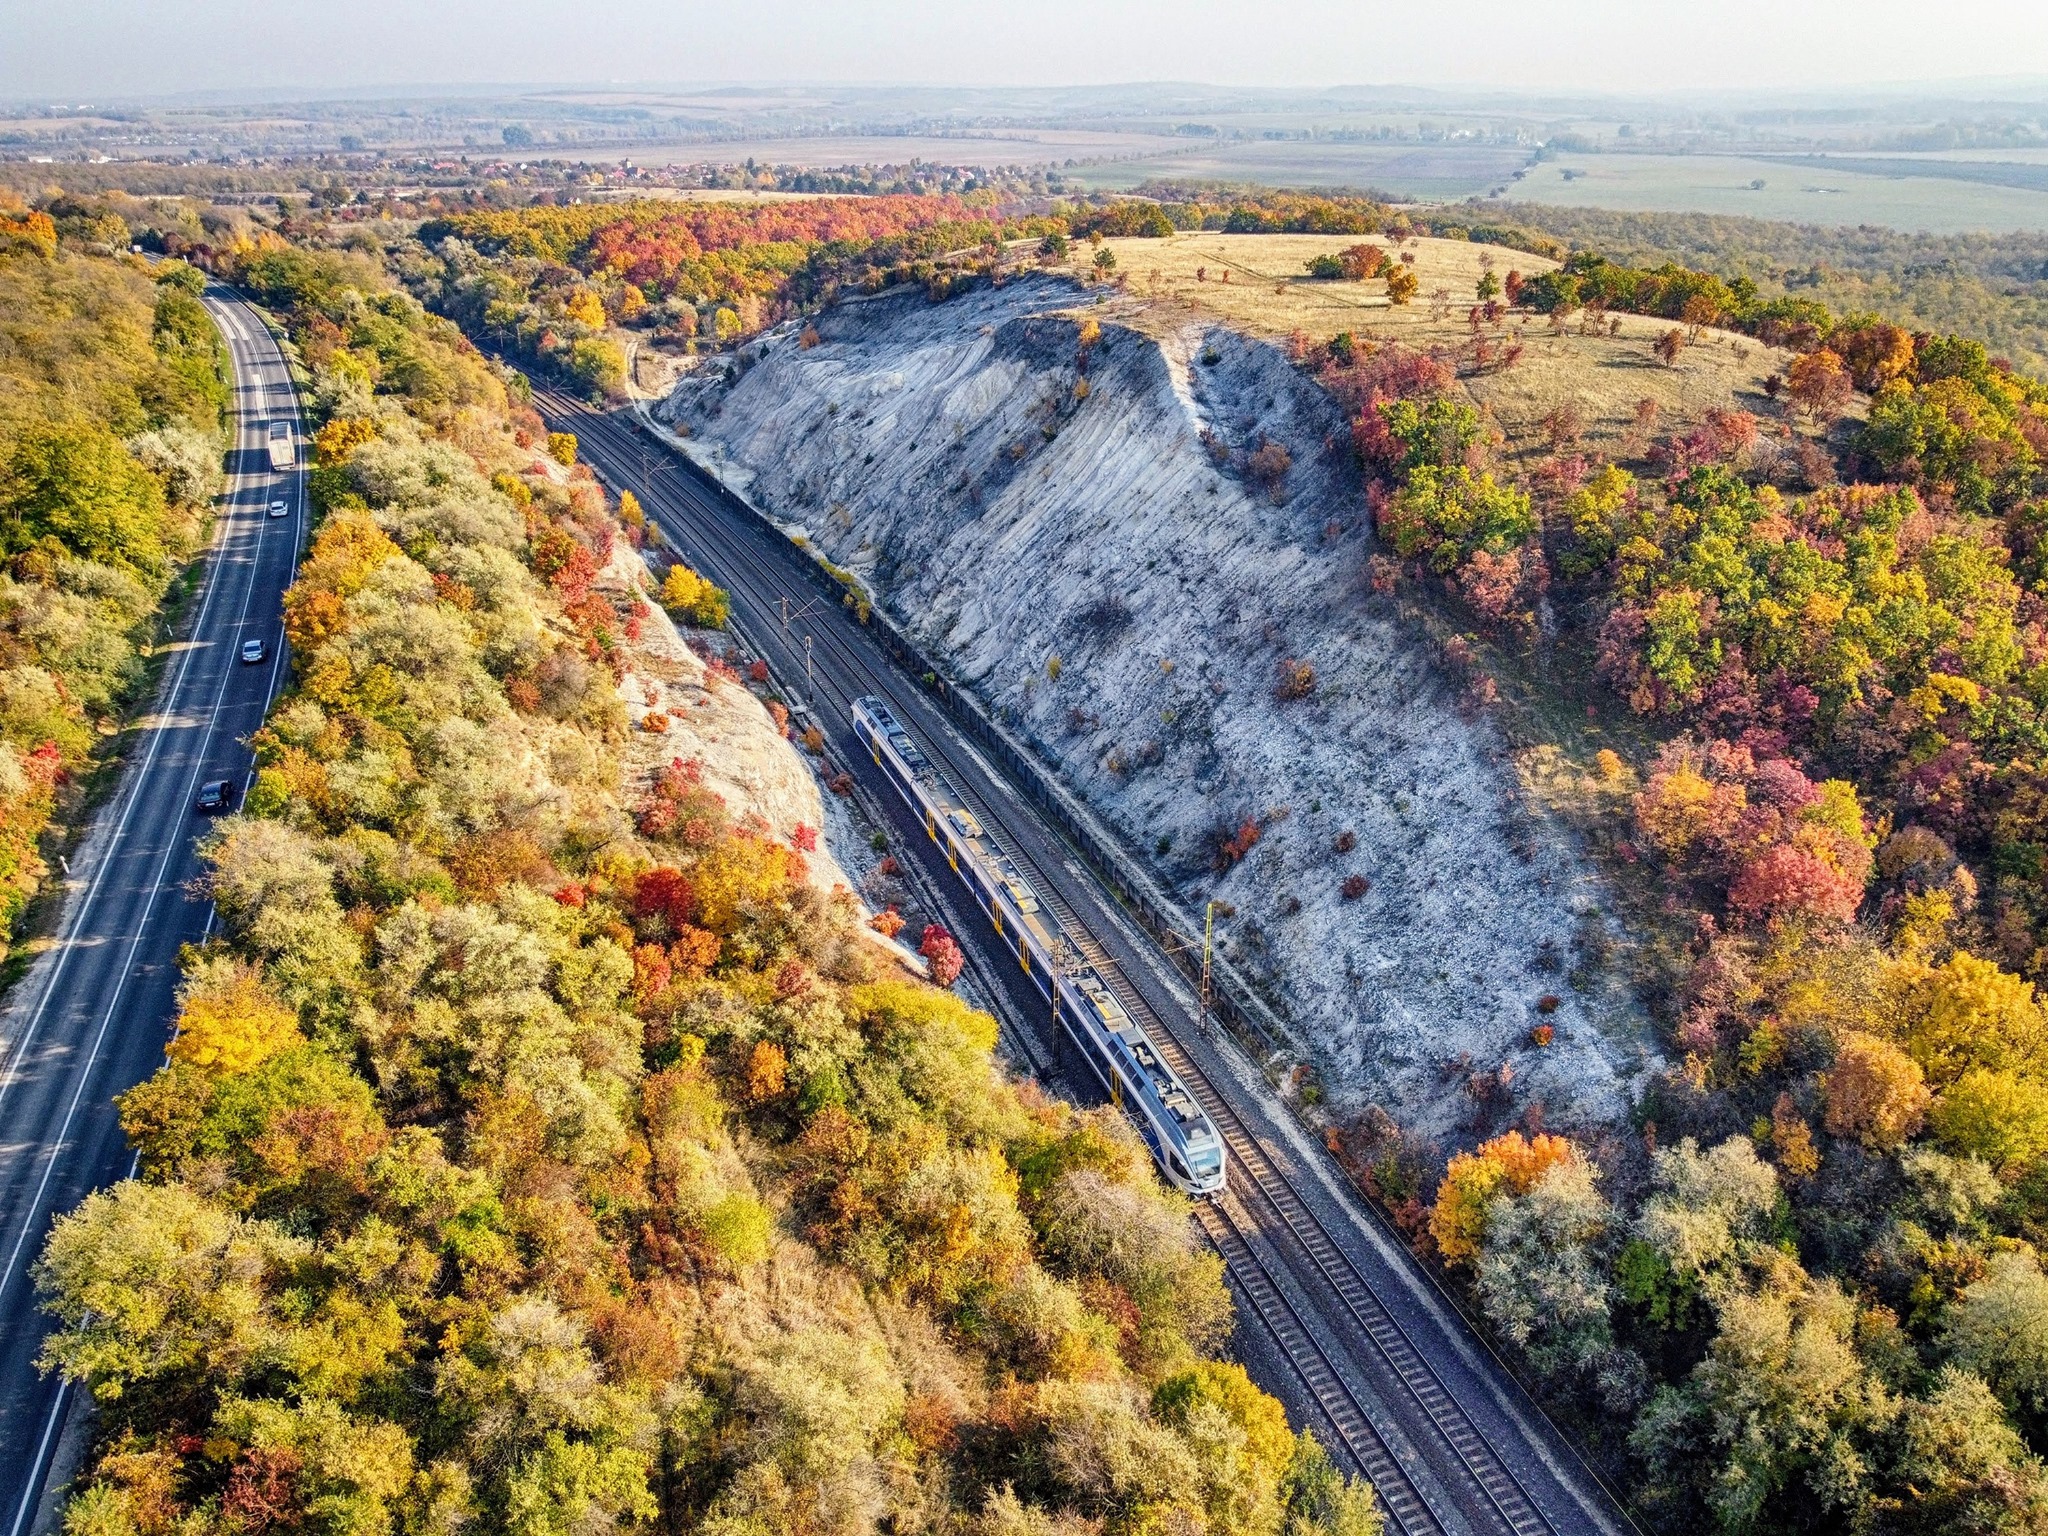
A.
pixel 1123 1058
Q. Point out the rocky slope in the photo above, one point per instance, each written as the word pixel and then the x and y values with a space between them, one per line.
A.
pixel 683 704
pixel 1087 527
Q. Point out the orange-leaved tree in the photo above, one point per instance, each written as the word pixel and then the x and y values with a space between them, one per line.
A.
pixel 1507 1165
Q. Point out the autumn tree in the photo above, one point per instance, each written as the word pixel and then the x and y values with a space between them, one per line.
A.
pixel 1875 1093
pixel 1820 386
pixel 1875 355
pixel 1362 262
pixel 229 1022
pixel 1506 1165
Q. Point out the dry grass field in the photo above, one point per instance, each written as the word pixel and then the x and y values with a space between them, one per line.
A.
pixel 1259 284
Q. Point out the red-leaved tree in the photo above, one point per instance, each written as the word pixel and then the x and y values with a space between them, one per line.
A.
pixel 942 954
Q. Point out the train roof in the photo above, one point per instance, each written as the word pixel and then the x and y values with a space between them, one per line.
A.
pixel 1175 1105
pixel 965 823
pixel 1171 1093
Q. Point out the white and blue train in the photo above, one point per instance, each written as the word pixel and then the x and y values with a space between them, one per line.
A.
pixel 1122 1056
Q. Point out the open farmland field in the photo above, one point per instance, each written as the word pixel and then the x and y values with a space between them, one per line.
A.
pixel 1937 200
pixel 1408 170
pixel 2027 175
pixel 1603 377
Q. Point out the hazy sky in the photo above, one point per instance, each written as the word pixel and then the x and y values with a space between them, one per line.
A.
pixel 75 49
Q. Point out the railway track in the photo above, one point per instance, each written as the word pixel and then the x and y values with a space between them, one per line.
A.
pixel 1485 1492
pixel 1488 1475
pixel 1320 1375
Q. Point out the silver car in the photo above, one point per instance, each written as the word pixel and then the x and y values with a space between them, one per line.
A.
pixel 252 650
pixel 279 509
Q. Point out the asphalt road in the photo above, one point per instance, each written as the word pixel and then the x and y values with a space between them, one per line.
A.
pixel 1476 1454
pixel 92 1016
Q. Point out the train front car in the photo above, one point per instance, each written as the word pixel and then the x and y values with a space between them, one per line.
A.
pixel 1178 1130
pixel 1123 1059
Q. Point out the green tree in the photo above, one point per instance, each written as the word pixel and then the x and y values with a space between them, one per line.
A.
pixel 1962 1467
pixel 79 484
pixel 1321 1501
pixel 1543 1271
pixel 160 1292
pixel 1999 1329
pixel 1779 1427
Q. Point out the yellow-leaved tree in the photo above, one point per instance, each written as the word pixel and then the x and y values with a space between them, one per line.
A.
pixel 342 436
pixel 230 1022
pixel 1967 1012
pixel 1875 1092
pixel 689 596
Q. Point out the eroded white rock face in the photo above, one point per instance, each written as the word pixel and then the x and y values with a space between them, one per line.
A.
pixel 945 453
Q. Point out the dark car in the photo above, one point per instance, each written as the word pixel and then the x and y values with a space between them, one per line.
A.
pixel 217 795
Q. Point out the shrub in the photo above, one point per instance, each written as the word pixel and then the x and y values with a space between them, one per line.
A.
pixel 1269 465
pixel 942 952
pixel 562 448
pixel 691 596
pixel 1297 680
pixel 1232 846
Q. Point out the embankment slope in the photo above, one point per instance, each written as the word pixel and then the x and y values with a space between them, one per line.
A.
pixel 1076 523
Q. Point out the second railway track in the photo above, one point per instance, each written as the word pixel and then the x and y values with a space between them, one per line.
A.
pixel 1483 1491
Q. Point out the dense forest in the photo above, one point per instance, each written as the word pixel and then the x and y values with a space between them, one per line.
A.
pixel 1808 1297
pixel 552 284
pixel 545 1152
pixel 547 283
pixel 113 391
